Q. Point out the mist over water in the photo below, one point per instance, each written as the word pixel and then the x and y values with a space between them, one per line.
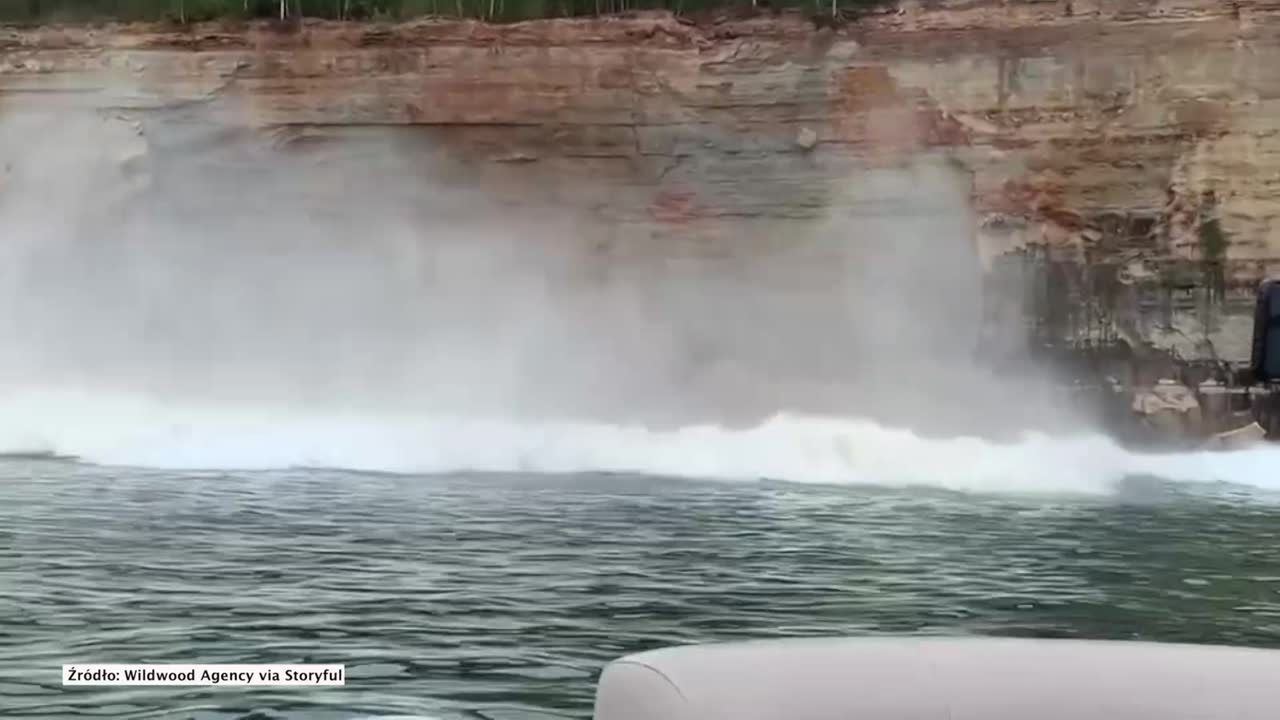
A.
pixel 182 294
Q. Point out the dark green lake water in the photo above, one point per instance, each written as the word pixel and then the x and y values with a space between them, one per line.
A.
pixel 502 596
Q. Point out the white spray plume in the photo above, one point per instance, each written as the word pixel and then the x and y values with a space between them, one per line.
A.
pixel 180 294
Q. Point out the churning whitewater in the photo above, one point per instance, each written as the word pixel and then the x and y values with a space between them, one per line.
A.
pixel 132 431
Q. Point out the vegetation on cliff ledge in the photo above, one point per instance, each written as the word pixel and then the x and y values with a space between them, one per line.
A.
pixel 42 11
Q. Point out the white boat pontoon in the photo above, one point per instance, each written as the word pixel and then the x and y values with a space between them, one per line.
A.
pixel 921 678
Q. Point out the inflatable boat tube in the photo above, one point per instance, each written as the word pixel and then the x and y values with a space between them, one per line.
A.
pixel 942 679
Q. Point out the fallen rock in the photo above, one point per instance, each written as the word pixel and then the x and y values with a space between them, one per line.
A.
pixel 806 139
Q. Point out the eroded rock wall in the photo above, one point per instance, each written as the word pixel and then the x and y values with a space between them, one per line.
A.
pixel 1120 156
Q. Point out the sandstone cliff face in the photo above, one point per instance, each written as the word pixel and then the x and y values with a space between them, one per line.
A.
pixel 1120 157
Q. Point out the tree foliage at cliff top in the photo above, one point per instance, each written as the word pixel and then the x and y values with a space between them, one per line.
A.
pixel 43 11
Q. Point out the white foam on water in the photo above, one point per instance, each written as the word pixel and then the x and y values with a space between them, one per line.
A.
pixel 131 430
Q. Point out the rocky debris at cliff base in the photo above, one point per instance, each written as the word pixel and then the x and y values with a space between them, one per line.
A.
pixel 1238 439
pixel 1170 410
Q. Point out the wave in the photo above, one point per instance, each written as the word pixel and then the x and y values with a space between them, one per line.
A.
pixel 132 430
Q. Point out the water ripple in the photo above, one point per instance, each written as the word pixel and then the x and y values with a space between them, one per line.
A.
pixel 501 596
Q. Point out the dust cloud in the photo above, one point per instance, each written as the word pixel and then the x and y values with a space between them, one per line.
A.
pixel 368 272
